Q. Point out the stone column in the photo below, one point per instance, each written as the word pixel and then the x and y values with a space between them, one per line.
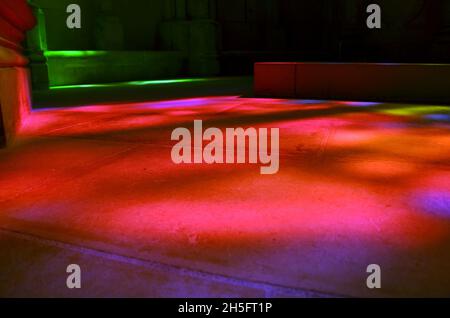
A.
pixel 204 58
pixel 190 28
pixel 349 32
pixel 109 34
pixel 15 100
pixel 275 35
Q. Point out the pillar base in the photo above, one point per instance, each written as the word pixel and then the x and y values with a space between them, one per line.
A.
pixel 15 101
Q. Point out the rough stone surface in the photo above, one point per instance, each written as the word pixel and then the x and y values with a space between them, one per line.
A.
pixel 359 184
pixel 15 99
pixel 114 66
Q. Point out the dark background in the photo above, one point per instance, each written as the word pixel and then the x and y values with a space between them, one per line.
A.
pixel 246 31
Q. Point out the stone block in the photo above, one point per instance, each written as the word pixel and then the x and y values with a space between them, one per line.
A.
pixel 275 79
pixel 9 57
pixel 91 67
pixel 198 9
pixel 15 100
pixel 203 37
pixel 204 65
pixel 109 34
pixel 174 35
pixel 354 81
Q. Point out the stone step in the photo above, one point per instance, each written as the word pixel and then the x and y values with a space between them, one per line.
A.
pixel 354 81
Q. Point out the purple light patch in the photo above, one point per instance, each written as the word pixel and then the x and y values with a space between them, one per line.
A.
pixel 179 103
pixel 434 202
pixel 438 117
pixel 306 102
pixel 361 104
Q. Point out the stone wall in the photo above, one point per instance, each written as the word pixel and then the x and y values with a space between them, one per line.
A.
pixel 332 30
pixel 105 24
pixel 410 32
pixel 228 36
pixel 190 27
pixel 164 38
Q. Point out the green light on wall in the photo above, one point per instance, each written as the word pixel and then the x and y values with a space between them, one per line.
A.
pixel 162 82
pixel 133 83
pixel 62 54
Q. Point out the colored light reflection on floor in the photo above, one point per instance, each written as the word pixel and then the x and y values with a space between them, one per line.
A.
pixel 356 184
pixel 417 110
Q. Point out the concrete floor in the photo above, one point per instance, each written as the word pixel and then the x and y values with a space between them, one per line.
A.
pixel 359 184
